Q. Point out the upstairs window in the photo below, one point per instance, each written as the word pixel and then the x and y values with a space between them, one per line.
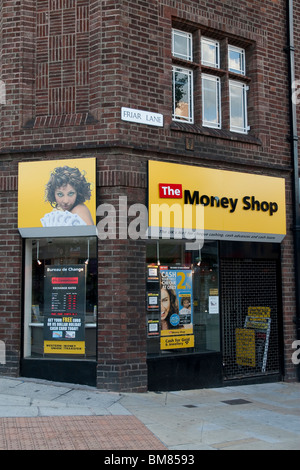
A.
pixel 182 45
pixel 216 72
pixel 210 53
pixel 236 60
pixel 183 95
pixel 238 107
pixel 211 101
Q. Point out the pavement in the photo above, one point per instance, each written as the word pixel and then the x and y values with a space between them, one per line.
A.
pixel 41 415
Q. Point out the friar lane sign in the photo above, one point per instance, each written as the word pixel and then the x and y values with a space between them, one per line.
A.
pixel 142 117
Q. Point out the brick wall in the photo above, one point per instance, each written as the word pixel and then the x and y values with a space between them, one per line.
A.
pixel 81 61
pixel 10 275
pixel 121 285
pixel 69 66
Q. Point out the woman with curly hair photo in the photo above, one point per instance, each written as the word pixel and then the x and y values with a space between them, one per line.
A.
pixel 66 191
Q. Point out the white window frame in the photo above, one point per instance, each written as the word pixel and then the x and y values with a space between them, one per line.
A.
pixel 244 88
pixel 216 45
pixel 189 45
pixel 239 50
pixel 175 116
pixel 216 80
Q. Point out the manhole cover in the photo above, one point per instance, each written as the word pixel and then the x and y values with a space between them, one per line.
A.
pixel 236 401
pixel 190 406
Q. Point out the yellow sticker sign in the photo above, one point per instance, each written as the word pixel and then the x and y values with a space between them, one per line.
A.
pixel 245 347
pixel 176 342
pixel 64 347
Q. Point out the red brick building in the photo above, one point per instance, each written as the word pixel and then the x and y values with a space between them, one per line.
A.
pixel 140 88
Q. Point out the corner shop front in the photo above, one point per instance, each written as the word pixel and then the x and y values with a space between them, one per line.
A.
pixel 210 335
pixel 230 327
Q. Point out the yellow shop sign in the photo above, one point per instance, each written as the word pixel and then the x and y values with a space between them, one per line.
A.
pixel 236 206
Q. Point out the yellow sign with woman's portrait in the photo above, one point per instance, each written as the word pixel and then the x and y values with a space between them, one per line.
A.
pixel 57 197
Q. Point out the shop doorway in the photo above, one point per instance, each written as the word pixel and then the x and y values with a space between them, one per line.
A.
pixel 251 318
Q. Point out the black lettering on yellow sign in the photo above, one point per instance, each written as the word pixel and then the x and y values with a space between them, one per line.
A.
pixel 250 202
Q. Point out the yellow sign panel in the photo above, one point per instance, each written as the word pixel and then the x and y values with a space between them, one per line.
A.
pixel 56 193
pixel 259 312
pixel 245 347
pixel 175 342
pixel 64 347
pixel 237 206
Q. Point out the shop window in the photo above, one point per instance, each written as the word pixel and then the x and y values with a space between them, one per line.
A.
pixel 60 307
pixel 182 299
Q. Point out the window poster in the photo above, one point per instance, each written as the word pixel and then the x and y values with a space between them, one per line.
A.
pixel 153 274
pixel 176 308
pixel 153 327
pixel 64 300
pixel 152 301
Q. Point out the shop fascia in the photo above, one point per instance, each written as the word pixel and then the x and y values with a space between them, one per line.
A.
pixel 237 206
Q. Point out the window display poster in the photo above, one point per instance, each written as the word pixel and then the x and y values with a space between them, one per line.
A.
pixel 64 304
pixel 152 301
pixel 153 327
pixel 176 307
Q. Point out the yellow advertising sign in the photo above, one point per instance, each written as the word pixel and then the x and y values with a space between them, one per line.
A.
pixel 245 347
pixel 237 206
pixel 64 347
pixel 259 312
pixel 57 197
pixel 188 330
pixel 176 342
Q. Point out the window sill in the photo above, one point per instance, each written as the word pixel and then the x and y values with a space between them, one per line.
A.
pixel 215 133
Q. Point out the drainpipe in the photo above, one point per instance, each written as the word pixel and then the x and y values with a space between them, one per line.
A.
pixel 294 149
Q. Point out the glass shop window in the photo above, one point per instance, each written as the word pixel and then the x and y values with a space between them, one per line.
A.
pixel 60 308
pixel 182 290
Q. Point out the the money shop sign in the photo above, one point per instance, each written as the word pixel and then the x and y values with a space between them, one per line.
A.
pixel 237 206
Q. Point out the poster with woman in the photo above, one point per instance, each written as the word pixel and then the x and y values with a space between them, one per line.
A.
pixel 176 308
pixel 57 197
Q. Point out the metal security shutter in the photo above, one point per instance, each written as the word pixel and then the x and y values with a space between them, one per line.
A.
pixel 249 283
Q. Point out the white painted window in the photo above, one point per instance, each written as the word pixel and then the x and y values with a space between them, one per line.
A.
pixel 236 60
pixel 211 101
pixel 210 52
pixel 182 95
pixel 182 45
pixel 238 107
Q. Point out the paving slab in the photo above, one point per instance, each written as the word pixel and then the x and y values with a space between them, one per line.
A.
pixel 76 433
pixel 254 417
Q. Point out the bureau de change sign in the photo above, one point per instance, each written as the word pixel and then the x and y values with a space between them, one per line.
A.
pixel 64 303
